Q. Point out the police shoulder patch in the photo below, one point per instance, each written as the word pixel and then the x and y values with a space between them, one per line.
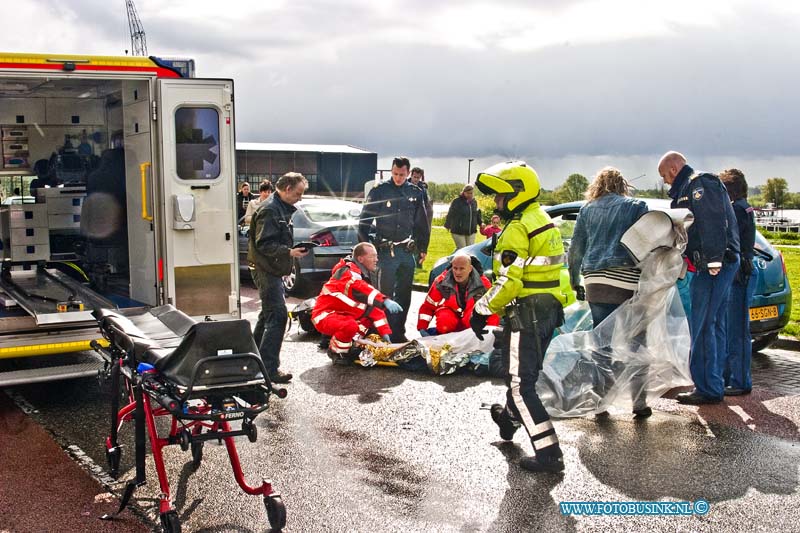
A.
pixel 508 257
pixel 698 193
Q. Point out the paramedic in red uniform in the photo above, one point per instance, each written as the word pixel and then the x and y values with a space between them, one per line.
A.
pixel 349 305
pixel 451 298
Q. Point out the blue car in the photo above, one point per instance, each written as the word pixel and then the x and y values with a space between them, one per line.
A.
pixel 770 308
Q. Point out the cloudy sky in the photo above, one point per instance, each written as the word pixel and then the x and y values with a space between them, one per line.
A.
pixel 569 86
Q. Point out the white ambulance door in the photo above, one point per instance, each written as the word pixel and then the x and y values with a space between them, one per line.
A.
pixel 197 198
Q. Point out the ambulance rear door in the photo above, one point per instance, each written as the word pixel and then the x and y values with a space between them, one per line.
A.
pixel 197 198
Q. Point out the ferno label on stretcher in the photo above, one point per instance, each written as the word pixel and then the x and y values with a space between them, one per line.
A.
pixel 763 313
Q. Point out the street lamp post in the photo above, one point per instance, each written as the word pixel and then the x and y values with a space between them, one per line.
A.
pixel 469 166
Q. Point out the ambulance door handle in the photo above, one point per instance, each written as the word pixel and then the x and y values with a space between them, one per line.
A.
pixel 143 169
pixel 196 187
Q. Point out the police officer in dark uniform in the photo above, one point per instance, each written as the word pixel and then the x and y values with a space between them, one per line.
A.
pixel 713 249
pixel 396 207
pixel 737 375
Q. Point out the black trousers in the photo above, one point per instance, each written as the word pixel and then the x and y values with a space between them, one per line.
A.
pixel 524 364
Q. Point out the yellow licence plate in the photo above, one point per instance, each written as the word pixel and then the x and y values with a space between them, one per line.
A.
pixel 763 313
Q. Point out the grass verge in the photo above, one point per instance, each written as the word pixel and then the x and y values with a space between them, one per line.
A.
pixel 791 258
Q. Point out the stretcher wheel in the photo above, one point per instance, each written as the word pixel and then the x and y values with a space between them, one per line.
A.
pixel 113 456
pixel 184 440
pixel 276 512
pixel 170 522
pixel 252 430
pixel 197 454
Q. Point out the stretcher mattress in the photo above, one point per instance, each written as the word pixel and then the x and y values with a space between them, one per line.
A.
pixel 175 343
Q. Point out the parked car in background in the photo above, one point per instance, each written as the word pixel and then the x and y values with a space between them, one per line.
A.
pixel 770 308
pixel 330 223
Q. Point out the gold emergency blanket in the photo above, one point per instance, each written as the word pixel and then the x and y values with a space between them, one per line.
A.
pixel 442 354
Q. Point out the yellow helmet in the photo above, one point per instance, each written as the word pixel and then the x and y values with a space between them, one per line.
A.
pixel 515 179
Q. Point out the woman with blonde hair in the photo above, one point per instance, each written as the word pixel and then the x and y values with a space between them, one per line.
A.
pixel 609 273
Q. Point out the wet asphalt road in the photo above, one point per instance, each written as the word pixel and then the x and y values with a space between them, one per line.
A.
pixel 382 449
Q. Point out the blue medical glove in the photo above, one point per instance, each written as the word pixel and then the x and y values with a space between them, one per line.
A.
pixel 387 339
pixel 392 306
pixel 424 333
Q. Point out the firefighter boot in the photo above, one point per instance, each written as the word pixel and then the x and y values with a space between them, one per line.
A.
pixel 507 426
pixel 552 462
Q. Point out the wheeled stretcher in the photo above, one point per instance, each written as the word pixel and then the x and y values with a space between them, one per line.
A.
pixel 204 375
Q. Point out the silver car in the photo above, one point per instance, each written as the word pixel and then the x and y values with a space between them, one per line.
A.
pixel 330 223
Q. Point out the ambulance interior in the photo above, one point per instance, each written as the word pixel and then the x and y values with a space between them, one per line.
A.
pixel 75 234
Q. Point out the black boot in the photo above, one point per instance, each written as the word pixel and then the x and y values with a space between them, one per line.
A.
pixel 340 358
pixel 545 463
pixel 507 426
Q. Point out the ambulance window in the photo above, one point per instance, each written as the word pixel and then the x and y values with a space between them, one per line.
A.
pixel 197 143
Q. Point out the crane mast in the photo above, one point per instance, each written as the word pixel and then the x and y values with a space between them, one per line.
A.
pixel 138 41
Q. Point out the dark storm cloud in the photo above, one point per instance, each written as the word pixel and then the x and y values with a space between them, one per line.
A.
pixel 727 91
pixel 323 72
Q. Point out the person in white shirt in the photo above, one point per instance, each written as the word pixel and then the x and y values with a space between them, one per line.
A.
pixel 264 190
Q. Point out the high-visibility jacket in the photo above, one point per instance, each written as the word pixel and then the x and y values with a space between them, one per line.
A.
pixel 350 292
pixel 528 260
pixel 443 293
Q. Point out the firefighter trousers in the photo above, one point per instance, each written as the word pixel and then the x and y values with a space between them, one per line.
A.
pixel 522 401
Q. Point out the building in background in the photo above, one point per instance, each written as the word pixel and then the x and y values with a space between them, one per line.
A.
pixel 331 169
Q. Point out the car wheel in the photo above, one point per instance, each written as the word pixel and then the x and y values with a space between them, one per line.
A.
pixel 293 282
pixel 761 343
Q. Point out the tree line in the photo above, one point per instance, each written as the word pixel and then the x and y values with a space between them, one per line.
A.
pixel 775 191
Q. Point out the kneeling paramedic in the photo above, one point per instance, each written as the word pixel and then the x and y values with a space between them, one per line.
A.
pixel 350 306
pixel 527 264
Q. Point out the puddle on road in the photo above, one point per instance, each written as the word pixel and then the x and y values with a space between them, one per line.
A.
pixel 391 475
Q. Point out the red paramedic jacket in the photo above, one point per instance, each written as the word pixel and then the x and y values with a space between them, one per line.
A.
pixel 349 292
pixel 443 294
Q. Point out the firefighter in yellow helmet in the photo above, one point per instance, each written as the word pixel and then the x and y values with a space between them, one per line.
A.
pixel 527 265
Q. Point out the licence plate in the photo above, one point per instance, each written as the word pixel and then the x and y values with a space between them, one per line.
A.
pixel 763 313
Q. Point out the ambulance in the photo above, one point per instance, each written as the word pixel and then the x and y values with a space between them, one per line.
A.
pixel 118 191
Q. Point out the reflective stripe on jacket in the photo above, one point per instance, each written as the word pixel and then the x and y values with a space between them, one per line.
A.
pixel 528 259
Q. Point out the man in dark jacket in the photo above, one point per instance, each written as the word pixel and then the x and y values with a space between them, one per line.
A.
pixel 738 379
pixel 713 250
pixel 270 255
pixel 401 229
pixel 463 218
pixel 417 178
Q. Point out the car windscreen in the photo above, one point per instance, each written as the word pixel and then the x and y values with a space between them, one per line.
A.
pixel 331 211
